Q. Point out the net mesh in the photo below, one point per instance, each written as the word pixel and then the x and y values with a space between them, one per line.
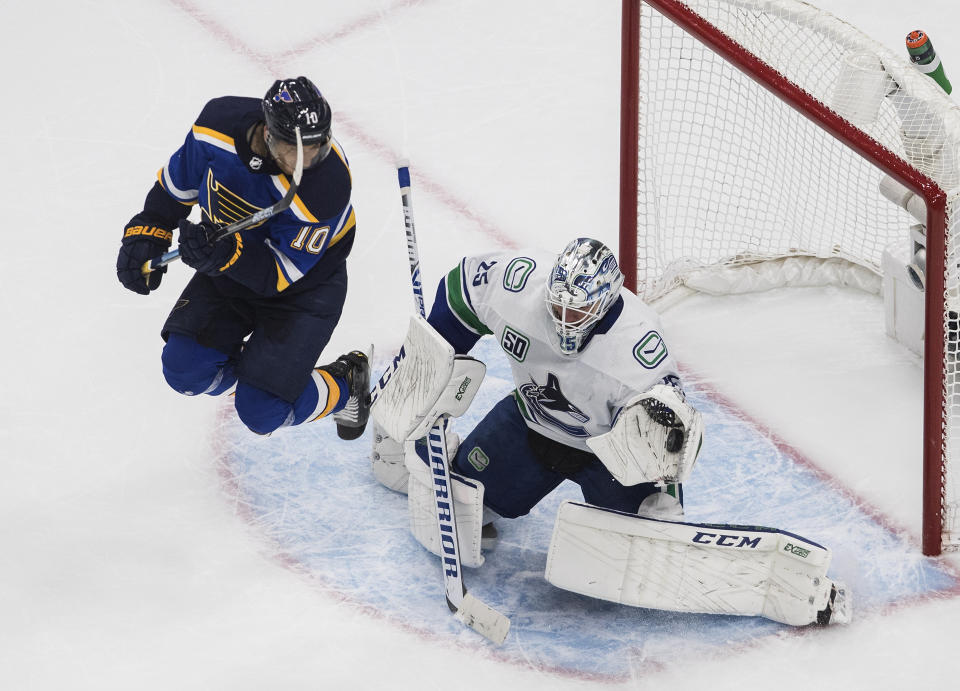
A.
pixel 730 174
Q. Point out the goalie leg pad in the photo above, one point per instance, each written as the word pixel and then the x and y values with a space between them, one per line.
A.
pixel 468 509
pixel 387 461
pixel 688 567
pixel 388 458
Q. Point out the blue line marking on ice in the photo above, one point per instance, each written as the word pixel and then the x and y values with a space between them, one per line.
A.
pixel 315 498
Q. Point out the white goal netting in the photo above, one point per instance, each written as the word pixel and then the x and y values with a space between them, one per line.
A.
pixel 731 174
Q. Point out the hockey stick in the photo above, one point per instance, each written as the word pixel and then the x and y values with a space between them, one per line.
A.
pixel 253 219
pixel 468 609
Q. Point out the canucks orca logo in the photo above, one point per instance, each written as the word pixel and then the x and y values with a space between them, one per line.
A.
pixel 539 401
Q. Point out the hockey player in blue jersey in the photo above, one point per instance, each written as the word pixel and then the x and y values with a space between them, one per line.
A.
pixel 263 303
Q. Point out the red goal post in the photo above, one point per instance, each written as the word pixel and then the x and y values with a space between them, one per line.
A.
pixel 760 130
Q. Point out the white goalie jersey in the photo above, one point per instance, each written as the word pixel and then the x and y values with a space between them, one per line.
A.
pixel 567 399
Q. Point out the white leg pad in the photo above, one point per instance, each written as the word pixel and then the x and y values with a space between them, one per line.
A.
pixel 688 567
pixel 428 381
pixel 468 507
pixel 387 461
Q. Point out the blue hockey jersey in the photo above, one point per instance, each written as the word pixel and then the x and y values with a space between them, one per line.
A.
pixel 217 169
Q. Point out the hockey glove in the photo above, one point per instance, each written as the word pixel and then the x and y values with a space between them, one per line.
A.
pixel 199 249
pixel 141 242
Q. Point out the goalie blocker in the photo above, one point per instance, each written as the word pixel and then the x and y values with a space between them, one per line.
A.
pixel 428 380
pixel 693 567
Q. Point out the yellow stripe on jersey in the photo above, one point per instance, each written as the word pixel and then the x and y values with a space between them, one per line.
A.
pixel 333 393
pixel 345 228
pixel 282 282
pixel 218 139
pixel 304 213
pixel 297 207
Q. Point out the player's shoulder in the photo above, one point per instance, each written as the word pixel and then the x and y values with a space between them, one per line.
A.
pixel 636 310
pixel 325 189
pixel 225 114
pixel 509 270
pixel 633 339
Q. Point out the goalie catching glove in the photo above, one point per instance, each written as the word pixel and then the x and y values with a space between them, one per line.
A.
pixel 656 438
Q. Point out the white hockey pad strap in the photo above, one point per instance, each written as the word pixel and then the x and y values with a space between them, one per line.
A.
pixel 688 567
pixel 387 460
pixel 430 380
pixel 656 438
pixel 467 509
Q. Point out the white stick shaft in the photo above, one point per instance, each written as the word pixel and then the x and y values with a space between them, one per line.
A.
pixel 413 254
pixel 436 440
pixel 472 612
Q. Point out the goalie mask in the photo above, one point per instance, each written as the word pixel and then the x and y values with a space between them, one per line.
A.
pixel 584 284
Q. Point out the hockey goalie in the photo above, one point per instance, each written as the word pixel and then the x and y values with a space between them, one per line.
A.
pixel 597 402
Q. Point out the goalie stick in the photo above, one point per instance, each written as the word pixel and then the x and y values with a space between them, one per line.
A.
pixel 253 219
pixel 465 607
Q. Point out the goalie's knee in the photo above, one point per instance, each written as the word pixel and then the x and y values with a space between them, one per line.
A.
pixel 387 459
pixel 661 505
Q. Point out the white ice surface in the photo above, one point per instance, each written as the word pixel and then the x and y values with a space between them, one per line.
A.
pixel 123 566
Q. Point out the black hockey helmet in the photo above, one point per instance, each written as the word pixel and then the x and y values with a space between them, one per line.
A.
pixel 297 102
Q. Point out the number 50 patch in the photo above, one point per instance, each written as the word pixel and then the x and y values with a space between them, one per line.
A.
pixel 515 344
pixel 651 350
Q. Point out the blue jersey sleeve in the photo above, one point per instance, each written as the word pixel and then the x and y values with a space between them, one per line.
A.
pixel 183 175
pixel 443 319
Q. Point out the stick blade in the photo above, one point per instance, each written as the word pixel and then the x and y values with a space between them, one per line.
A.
pixel 483 619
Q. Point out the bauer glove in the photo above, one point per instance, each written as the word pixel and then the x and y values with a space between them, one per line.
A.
pixel 200 250
pixel 141 242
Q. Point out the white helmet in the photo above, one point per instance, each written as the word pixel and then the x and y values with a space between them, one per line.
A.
pixel 584 284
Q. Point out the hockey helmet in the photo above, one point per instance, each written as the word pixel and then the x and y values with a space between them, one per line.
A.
pixel 292 103
pixel 583 285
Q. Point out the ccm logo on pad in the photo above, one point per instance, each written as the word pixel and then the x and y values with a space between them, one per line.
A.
pixel 723 540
